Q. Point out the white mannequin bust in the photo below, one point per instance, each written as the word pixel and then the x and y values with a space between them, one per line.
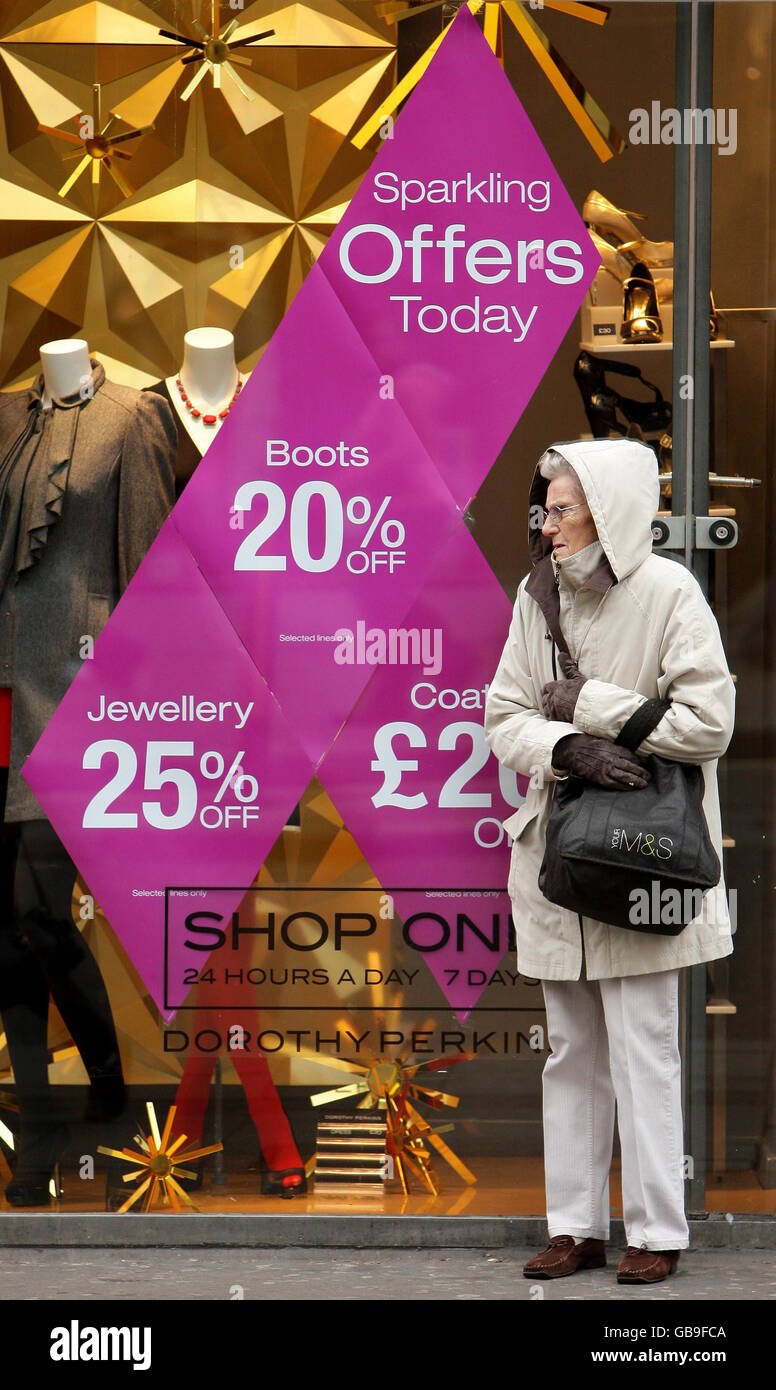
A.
pixel 66 368
pixel 208 383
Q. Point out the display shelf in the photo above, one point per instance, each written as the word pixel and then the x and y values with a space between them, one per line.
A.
pixel 712 511
pixel 721 1006
pixel 608 348
pixel 507 1186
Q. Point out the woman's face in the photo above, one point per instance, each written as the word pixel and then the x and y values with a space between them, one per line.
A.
pixel 575 529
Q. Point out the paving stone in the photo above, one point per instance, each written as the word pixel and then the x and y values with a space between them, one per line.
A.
pixel 338 1275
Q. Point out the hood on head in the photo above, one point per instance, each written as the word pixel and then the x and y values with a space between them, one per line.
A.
pixel 620 481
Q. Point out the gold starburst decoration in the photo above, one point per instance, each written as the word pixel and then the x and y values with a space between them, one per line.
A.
pixel 582 106
pixel 390 1084
pixel 159 1158
pixel 96 147
pixel 215 51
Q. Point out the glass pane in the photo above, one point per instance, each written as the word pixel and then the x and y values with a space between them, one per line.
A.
pixel 331 983
pixel 741 1079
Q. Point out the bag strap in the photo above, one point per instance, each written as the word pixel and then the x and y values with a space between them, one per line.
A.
pixel 552 616
pixel 641 723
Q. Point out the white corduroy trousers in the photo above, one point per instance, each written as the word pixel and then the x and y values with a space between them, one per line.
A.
pixel 615 1042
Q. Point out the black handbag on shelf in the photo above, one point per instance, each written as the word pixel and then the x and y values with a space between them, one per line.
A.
pixel 640 859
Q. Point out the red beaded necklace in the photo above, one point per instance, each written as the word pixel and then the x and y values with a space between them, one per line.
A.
pixel 209 419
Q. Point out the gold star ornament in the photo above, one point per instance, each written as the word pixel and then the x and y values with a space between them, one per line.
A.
pixel 96 147
pixel 157 1166
pixel 214 49
pixel 391 1085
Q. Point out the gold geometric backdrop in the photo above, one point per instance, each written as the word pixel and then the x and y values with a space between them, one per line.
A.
pixel 137 202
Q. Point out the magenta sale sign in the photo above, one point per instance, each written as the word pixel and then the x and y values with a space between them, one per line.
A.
pixel 462 259
pixel 168 759
pixel 315 602
pixel 323 520
pixel 412 774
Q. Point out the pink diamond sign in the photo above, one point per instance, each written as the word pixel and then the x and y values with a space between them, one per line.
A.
pixel 418 786
pixel 462 259
pixel 168 763
pixel 320 509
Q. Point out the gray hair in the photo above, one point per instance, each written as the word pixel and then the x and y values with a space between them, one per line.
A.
pixel 553 465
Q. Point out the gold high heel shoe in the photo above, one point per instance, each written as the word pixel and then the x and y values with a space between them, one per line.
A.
pixel 641 321
pixel 614 225
pixel 612 273
pixel 616 267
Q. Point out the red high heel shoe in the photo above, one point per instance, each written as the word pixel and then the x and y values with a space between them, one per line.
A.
pixel 289 1182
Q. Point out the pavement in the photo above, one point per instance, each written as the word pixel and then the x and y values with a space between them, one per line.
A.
pixel 298 1274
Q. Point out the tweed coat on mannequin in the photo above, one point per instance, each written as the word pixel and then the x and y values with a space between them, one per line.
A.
pixel 85 485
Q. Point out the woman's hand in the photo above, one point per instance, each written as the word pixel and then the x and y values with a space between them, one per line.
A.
pixel 559 698
pixel 601 761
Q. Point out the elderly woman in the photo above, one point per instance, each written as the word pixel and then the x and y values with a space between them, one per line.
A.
pixel 637 626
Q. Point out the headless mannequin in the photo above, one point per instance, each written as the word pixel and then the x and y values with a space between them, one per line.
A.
pixel 66 367
pixel 42 954
pixel 209 379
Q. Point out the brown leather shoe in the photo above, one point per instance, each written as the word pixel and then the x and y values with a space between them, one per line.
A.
pixel 646 1266
pixel 563 1257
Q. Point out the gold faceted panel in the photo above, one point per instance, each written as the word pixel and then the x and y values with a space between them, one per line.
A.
pixel 143 203
pixel 28 218
pixel 92 23
pixel 196 220
pixel 46 301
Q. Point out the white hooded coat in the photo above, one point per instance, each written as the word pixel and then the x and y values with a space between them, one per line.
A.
pixel 639 627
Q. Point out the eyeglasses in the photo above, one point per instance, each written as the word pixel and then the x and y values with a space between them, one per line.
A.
pixel 555 514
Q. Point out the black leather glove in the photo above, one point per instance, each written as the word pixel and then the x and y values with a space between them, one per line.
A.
pixel 600 761
pixel 559 698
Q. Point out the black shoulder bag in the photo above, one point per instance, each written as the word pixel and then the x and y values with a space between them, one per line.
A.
pixel 639 858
